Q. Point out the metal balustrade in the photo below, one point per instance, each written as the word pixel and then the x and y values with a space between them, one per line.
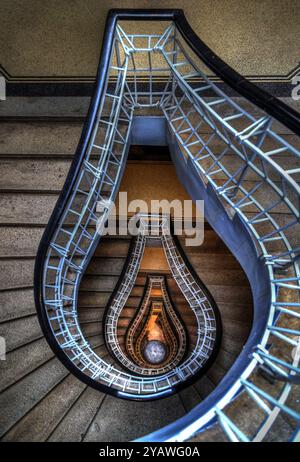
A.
pixel 159 228
pixel 233 143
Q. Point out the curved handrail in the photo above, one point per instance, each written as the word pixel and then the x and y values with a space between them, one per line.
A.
pixel 283 113
pixel 251 92
pixel 72 176
pixel 205 310
pixel 261 98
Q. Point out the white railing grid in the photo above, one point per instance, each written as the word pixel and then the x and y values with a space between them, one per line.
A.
pixel 196 299
pixel 255 171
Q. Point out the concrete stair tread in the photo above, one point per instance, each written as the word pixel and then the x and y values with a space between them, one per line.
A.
pixel 28 392
pixel 74 425
pixel 33 426
pixel 23 361
pixel 141 418
pixel 20 331
pixel 16 303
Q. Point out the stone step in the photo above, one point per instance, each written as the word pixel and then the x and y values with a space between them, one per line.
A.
pixel 124 322
pixel 93 328
pixel 237 330
pixel 141 418
pixel 90 314
pixel 33 175
pixel 128 313
pixel 199 260
pixel 107 266
pixel 35 209
pixel 39 138
pixel 13 291
pixel 16 304
pixel 48 175
pixel 29 209
pixel 25 238
pixel 190 397
pixel 23 361
pixel 104 283
pixel 236 312
pixel 93 299
pixel 20 331
pixel 33 426
pixel 204 386
pixel 75 423
pixel 207 383
pixel 30 174
pixel 132 302
pixel 225 359
pixel 222 276
pixel 45 137
pixel 231 344
pixel 29 391
pixel 230 294
pixel 216 373
pixel 16 273
pixel 113 247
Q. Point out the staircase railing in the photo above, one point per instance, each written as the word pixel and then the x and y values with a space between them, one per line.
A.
pixel 204 309
pixel 235 147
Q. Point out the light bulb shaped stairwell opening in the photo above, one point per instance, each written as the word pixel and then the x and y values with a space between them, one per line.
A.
pixel 190 101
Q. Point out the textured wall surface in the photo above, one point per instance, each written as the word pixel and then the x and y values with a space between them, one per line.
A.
pixel 62 38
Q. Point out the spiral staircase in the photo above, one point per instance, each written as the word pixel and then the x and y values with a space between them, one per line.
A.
pixel 233 372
